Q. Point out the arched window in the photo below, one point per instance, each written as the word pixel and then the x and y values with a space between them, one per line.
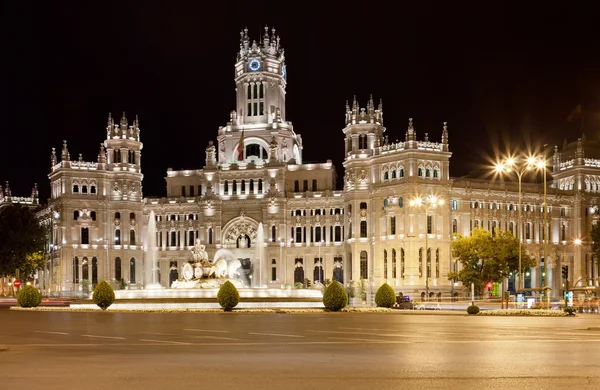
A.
pixel 296 186
pixel 92 189
pixel 76 270
pixel 249 93
pixel 402 263
pixel 436 173
pixel 314 185
pixel 75 189
pixel 299 271
pixel 85 270
pixel 226 187
pixel 117 155
pixel 420 172
pixel 118 268
pixel 394 174
pixel 385 175
pixel 305 185
pixel 132 270
pixel 364 270
pixel 183 191
pixel 394 272
pixel 84 189
pixel 243 189
pixel 427 172
pixel 273 233
pixel 235 186
pixel 401 173
pixel 318 270
pixel 260 186
pixel 385 264
pixel 251 185
pixel 454 226
pixel 94 271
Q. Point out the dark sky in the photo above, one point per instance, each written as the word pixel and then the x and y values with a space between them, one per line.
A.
pixel 503 74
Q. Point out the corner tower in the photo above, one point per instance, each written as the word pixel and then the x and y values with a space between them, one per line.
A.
pixel 260 79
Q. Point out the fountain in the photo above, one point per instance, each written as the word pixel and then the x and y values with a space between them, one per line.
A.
pixel 260 255
pixel 150 266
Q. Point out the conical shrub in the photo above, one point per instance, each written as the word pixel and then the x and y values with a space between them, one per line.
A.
pixel 335 297
pixel 103 295
pixel 385 296
pixel 29 296
pixel 228 296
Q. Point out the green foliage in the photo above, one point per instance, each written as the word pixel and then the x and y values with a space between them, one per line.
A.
pixel 228 296
pixel 360 288
pixel 335 297
pixel 473 309
pixel 570 310
pixel 21 238
pixel 85 286
pixel 298 285
pixel 385 296
pixel 29 296
pixel 103 295
pixel 121 284
pixel 33 262
pixel 487 258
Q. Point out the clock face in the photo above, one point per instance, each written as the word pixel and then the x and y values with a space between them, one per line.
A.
pixel 254 65
pixel 284 72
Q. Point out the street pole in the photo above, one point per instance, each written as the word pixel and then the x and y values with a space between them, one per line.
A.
pixel 545 229
pixel 472 294
pixel 426 254
pixel 521 286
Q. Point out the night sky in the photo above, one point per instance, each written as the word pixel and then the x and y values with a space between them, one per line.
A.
pixel 503 76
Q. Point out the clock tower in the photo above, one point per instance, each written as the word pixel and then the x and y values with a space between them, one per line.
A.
pixel 260 79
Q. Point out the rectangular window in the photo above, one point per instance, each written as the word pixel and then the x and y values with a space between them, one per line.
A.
pixel 429 222
pixel 363 229
pixel 455 205
pixel 249 112
pixel 392 225
pixel 255 112
pixel 85 237
pixel 262 108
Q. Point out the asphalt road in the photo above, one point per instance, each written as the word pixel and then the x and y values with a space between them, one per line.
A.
pixel 54 350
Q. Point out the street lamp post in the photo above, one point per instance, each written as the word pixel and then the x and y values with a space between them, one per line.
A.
pixel 427 203
pixel 510 165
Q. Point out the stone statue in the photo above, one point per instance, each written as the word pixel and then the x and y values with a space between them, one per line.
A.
pixel 199 252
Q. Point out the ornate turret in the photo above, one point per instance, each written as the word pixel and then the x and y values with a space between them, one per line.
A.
pixel 53 158
pixel 411 134
pixel 102 154
pixel 35 194
pixel 65 156
pixel 356 114
pixel 7 191
pixel 445 146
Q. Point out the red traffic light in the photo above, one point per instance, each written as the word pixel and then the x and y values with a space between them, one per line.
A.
pixel 489 285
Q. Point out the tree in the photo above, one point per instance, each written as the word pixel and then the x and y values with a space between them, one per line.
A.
pixel 33 262
pixel 487 258
pixel 22 241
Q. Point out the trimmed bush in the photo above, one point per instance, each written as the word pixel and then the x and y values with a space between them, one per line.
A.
pixel 29 296
pixel 385 296
pixel 473 309
pixel 228 296
pixel 570 310
pixel 103 295
pixel 335 297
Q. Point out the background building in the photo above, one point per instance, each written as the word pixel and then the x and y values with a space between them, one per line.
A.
pixel 254 173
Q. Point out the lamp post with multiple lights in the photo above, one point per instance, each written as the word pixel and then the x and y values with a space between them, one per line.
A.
pixel 510 165
pixel 428 202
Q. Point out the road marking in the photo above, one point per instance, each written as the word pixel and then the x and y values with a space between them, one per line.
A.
pixel 103 337
pixel 44 331
pixel 164 341
pixel 275 334
pixel 158 334
pixel 365 333
pixel 207 330
pixel 367 340
pixel 214 338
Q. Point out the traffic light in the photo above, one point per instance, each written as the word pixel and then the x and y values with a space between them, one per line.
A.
pixel 565 271
pixel 489 285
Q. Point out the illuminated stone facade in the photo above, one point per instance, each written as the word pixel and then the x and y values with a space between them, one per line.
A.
pixel 254 173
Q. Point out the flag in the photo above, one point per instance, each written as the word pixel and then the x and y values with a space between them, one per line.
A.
pixel 241 148
pixel 577 111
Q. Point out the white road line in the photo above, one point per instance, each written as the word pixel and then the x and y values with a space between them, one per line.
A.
pixel 367 340
pixel 275 334
pixel 214 338
pixel 44 331
pixel 364 333
pixel 158 334
pixel 376 330
pixel 103 337
pixel 207 330
pixel 166 342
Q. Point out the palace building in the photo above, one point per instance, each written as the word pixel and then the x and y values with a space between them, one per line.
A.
pixel 254 175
